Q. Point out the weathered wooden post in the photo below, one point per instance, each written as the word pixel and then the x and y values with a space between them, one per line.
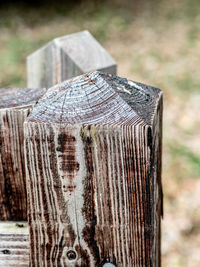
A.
pixel 15 105
pixel 93 167
pixel 66 57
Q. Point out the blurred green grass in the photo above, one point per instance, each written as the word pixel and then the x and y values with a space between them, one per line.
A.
pixel 155 42
pixel 184 154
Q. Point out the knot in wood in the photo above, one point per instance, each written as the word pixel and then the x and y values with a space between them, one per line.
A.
pixel 71 255
pixel 6 251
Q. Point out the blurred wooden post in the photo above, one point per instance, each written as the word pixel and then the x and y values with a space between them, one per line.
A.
pixel 15 105
pixel 67 57
pixel 93 167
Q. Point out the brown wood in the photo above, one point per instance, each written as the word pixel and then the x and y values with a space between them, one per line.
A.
pixel 14 244
pixel 15 105
pixel 93 157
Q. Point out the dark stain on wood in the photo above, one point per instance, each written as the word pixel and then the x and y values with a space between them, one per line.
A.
pixel 88 209
pixel 61 241
pixel 6 251
pixel 50 246
pixel 83 254
pixel 71 188
pixel 67 149
pixel 149 138
pixel 56 178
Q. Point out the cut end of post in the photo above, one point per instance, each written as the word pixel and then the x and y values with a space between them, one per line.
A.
pixel 97 98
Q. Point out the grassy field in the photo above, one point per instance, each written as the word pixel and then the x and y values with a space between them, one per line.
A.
pixel 155 42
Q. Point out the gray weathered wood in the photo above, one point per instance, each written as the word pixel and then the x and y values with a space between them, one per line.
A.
pixel 14 244
pixel 15 105
pixel 67 57
pixel 93 168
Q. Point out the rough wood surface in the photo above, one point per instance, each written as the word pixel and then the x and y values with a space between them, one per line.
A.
pixel 93 154
pixel 15 105
pixel 14 244
pixel 67 57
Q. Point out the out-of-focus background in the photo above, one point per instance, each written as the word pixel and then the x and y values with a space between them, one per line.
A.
pixel 155 42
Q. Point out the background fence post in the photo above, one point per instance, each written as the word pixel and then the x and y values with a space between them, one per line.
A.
pixel 15 105
pixel 93 166
pixel 66 57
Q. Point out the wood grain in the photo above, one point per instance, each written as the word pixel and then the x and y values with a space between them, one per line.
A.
pixel 14 244
pixel 15 105
pixel 66 57
pixel 93 167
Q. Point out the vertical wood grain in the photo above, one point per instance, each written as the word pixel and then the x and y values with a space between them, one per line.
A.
pixel 12 186
pixel 15 105
pixel 94 183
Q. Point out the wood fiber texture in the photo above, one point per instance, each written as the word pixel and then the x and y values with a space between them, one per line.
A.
pixel 14 250
pixel 93 165
pixel 14 244
pixel 15 105
pixel 66 57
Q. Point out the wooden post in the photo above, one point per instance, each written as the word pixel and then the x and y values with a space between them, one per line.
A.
pixel 15 105
pixel 67 57
pixel 93 167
